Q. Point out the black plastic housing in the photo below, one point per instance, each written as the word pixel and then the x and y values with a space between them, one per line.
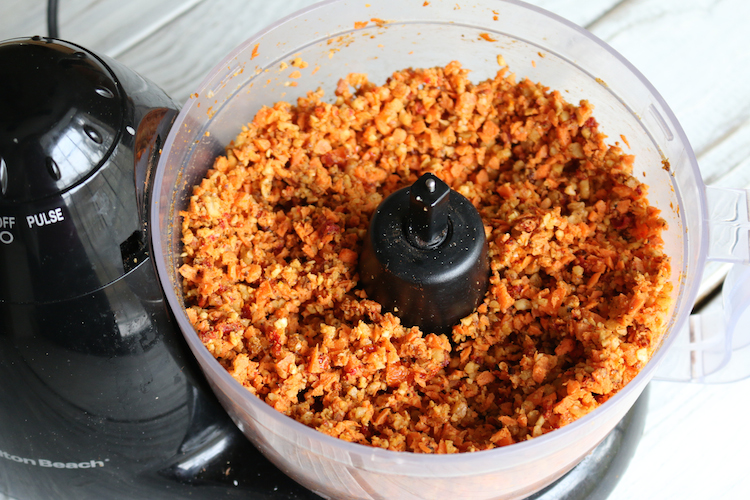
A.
pixel 100 397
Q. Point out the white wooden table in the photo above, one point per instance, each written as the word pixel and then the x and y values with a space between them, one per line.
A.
pixel 695 52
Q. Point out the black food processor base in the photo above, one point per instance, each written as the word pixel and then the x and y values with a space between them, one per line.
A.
pixel 237 470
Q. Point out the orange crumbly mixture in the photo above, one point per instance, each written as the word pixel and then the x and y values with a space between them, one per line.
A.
pixel 579 286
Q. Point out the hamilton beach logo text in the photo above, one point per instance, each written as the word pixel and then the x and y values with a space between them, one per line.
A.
pixel 41 462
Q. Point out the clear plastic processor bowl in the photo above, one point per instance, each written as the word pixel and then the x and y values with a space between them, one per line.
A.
pixel 377 38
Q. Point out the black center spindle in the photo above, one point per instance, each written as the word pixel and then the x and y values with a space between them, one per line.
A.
pixel 425 256
pixel 428 212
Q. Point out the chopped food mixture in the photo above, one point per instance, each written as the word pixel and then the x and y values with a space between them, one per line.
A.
pixel 579 287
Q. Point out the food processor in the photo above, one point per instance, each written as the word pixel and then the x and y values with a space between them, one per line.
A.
pixel 341 37
pixel 100 381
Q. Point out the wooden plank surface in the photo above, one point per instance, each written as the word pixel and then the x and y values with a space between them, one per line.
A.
pixel 204 38
pixel 103 26
pixel 175 43
pixel 695 52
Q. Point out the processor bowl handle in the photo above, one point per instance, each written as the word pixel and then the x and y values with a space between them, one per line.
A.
pixel 714 346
